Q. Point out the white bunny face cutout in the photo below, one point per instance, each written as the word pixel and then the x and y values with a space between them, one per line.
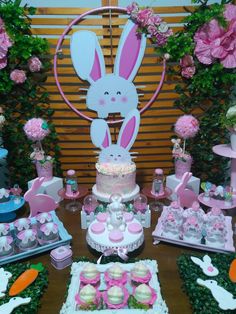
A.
pixel 206 265
pixel 101 137
pixel 109 93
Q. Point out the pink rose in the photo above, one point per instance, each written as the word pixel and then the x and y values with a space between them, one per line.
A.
pixel 186 61
pixel 143 16
pixel 188 72
pixel 5 43
pixel 152 29
pixel 154 20
pixel 230 12
pixel 133 8
pixel 18 76
pixel 34 64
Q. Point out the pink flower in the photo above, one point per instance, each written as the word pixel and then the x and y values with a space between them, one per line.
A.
pixel 214 42
pixel 133 8
pixel 152 29
pixel 188 72
pixel 154 20
pixel 36 129
pixel 186 61
pixel 18 76
pixel 143 16
pixel 34 64
pixel 186 126
pixel 5 43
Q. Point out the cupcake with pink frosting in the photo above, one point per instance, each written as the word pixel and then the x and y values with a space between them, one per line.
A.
pixel 88 298
pixel 115 275
pixel 90 275
pixel 145 295
pixel 140 273
pixel 116 297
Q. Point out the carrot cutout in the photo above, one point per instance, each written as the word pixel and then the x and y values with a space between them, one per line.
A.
pixel 25 279
pixel 232 271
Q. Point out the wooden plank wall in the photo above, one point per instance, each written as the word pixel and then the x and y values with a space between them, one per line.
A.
pixel 153 141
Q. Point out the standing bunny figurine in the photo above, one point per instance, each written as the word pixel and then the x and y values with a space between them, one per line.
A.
pixel 109 93
pixel 101 137
pixel 185 196
pixel 206 265
pixel 39 203
pixel 116 214
pixel 176 146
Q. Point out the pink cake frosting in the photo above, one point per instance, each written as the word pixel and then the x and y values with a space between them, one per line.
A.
pixel 116 306
pixel 98 228
pixel 116 282
pixel 116 236
pixel 153 298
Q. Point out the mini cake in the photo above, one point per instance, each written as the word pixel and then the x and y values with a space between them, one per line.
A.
pixel 116 297
pixel 214 215
pixel 6 246
pixel 115 275
pixel 88 297
pixel 145 294
pixel 195 211
pixel 216 235
pixel 4 195
pixel 27 239
pixel 140 274
pixel 177 211
pixel 115 178
pixel 192 230
pixel 90 275
pixel 171 226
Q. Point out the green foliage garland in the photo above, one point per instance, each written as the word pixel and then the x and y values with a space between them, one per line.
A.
pixel 35 290
pixel 209 89
pixel 22 102
pixel 201 297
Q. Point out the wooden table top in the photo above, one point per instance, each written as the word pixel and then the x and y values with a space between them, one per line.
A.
pixel 165 254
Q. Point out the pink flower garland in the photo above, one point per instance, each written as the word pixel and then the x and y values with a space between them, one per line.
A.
pixel 153 23
pixel 5 43
pixel 215 42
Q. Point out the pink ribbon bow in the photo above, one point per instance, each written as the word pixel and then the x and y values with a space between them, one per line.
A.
pixel 121 252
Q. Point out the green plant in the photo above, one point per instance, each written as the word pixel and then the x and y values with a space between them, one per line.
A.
pixel 207 87
pixel 23 101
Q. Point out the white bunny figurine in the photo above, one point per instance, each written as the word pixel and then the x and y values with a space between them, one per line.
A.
pixel 4 277
pixel 116 218
pixel 109 93
pixel 176 148
pixel 39 202
pixel 101 137
pixel 206 265
pixel 8 307
pixel 223 297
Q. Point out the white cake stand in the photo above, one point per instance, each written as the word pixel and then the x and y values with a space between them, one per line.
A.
pixel 101 242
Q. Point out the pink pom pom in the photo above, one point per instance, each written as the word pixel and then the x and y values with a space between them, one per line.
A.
pixel 36 129
pixel 34 64
pixel 186 126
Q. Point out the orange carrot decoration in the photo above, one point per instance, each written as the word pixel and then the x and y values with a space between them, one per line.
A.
pixel 25 279
pixel 232 271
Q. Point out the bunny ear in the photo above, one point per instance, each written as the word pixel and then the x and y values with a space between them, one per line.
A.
pixel 37 183
pixel 129 129
pixel 196 260
pixel 87 56
pixel 100 133
pixel 207 259
pixel 130 52
pixel 186 177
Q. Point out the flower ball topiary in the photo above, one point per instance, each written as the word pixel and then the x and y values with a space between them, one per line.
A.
pixel 186 126
pixel 36 129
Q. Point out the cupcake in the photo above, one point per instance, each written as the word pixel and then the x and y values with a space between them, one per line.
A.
pixel 140 274
pixel 116 297
pixel 90 275
pixel 171 226
pixel 88 298
pixel 145 295
pixel 115 275
pixel 192 230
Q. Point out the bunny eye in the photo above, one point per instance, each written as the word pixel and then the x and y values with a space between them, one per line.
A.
pixel 118 93
pixel 119 155
pixel 111 155
pixel 106 93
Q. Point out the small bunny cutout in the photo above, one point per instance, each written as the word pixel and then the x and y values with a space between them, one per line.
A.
pixel 109 93
pixel 206 265
pixel 115 153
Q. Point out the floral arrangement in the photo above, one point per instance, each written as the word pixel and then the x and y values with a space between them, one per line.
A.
pixel 186 126
pixel 217 192
pixel 24 63
pixel 150 24
pixel 36 129
pixel 202 58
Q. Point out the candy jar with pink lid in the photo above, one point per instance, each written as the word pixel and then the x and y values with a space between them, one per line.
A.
pixel 6 246
pixel 48 233
pixel 90 204
pixel 158 183
pixel 27 239
pixel 140 203
pixel 71 183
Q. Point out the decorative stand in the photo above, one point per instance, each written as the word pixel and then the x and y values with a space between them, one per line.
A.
pixel 75 204
pixel 172 182
pixel 156 205
pixel 50 188
pixel 7 209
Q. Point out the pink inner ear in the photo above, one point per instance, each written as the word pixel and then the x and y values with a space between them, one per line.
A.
pixel 128 133
pixel 130 53
pixel 95 73
pixel 105 143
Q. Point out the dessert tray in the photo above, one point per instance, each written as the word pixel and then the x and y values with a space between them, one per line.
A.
pixel 70 307
pixel 17 254
pixel 228 246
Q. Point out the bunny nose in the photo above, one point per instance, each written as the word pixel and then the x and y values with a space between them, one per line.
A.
pixel 113 99
pixel 115 158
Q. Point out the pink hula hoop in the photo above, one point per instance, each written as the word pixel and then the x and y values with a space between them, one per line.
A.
pixel 80 17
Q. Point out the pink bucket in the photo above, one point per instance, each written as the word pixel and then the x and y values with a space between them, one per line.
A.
pixel 45 170
pixel 182 166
